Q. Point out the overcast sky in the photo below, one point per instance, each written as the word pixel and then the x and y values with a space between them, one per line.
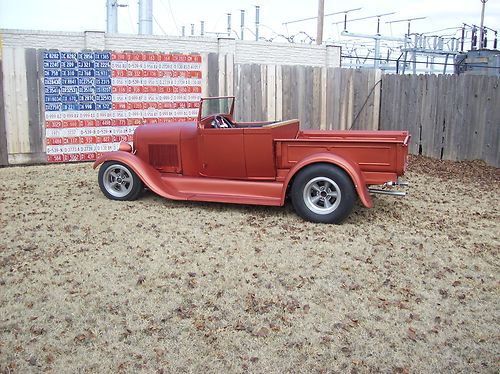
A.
pixel 170 15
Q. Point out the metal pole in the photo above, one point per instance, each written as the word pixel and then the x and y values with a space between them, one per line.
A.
pixel 242 24
pixel 481 28
pixel 257 22
pixel 111 16
pixel 473 38
pixel 229 24
pixel 463 39
pixel 377 53
pixel 145 17
pixel 321 18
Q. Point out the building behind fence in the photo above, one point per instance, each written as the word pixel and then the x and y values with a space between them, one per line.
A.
pixel 450 117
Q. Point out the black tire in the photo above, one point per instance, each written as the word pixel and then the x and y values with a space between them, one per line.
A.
pixel 323 193
pixel 119 182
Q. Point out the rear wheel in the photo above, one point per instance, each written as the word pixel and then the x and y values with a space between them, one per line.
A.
pixel 118 181
pixel 323 193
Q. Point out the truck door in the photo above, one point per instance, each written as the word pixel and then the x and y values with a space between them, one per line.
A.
pixel 222 153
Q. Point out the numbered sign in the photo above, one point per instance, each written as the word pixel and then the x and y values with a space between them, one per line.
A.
pixel 95 100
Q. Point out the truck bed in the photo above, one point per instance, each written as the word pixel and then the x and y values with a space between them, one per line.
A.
pixel 381 155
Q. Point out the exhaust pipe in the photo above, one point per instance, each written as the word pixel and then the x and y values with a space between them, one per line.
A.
pixel 387 192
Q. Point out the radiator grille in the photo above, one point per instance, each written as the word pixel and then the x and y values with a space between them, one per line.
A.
pixel 164 156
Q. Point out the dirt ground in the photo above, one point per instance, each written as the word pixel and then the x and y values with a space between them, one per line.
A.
pixel 93 285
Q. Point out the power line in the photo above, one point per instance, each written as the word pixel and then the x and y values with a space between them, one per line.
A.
pixel 171 14
pixel 418 62
pixel 130 17
pixel 326 15
pixel 158 24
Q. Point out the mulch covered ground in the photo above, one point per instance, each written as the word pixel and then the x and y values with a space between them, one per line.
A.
pixel 89 284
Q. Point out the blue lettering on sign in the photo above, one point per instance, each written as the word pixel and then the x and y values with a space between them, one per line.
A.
pixel 69 73
pixel 51 64
pixel 51 56
pixel 85 64
pixel 70 81
pixel 102 56
pixel 86 106
pixel 102 64
pixel 103 89
pixel 103 97
pixel 70 106
pixel 51 73
pixel 52 90
pixel 69 55
pixel 103 81
pixel 69 98
pixel 85 81
pixel 52 107
pixel 52 98
pixel 77 81
pixel 103 106
pixel 69 89
pixel 51 81
pixel 86 98
pixel 86 89
pixel 68 64
pixel 102 73
pixel 85 72
pixel 85 55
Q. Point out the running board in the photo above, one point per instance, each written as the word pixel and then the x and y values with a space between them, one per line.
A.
pixel 225 190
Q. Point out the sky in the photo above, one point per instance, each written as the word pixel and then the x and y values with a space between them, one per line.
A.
pixel 171 15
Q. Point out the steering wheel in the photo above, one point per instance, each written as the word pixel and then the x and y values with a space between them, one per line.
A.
pixel 221 122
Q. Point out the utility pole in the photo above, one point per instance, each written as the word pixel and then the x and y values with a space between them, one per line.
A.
pixel 111 16
pixel 242 24
pixel 481 29
pixel 257 22
pixel 145 17
pixel 321 18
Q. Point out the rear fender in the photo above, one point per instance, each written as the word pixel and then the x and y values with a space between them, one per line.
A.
pixel 351 168
pixel 149 176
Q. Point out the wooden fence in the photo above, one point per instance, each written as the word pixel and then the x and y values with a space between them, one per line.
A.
pixel 450 117
pixel 323 98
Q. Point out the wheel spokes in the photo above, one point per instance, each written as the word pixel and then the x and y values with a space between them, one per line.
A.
pixel 328 204
pixel 315 199
pixel 332 194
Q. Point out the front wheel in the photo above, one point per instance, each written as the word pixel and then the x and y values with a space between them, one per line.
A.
pixel 323 193
pixel 118 181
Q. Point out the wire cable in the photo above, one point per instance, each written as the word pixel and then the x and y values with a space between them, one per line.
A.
pixel 363 106
pixel 158 24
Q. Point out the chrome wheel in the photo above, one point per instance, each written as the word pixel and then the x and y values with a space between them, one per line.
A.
pixel 322 195
pixel 117 180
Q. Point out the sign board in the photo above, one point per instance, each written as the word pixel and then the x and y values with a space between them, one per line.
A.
pixel 95 100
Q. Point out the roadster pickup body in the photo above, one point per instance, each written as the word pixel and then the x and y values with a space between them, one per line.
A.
pixel 217 159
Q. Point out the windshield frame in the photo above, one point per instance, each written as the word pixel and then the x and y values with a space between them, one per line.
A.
pixel 220 98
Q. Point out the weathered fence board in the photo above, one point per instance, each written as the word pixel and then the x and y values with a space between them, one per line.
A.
pixel 491 139
pixel 212 74
pixel 4 155
pixel 36 132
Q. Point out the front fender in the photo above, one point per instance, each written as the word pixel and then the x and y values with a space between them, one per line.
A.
pixel 351 168
pixel 149 176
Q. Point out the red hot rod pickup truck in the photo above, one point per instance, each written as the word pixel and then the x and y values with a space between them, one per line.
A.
pixel 217 159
